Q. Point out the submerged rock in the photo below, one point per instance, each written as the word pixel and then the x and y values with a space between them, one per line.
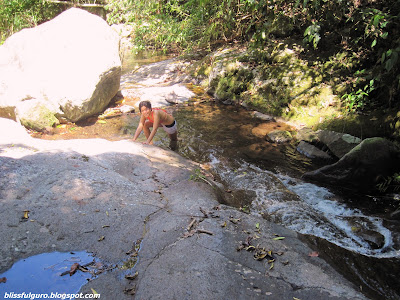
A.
pixel 311 151
pixel 277 131
pixel 279 136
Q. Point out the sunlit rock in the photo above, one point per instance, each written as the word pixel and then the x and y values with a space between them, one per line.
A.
pixel 35 115
pixel 13 133
pixel 279 136
pixel 71 63
pixel 307 134
pixel 262 116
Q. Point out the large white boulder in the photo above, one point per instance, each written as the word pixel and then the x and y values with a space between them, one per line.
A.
pixel 70 64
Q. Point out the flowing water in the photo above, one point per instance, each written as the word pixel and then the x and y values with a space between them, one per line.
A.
pixel 350 230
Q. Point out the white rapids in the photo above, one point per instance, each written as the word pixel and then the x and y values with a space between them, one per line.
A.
pixel 314 211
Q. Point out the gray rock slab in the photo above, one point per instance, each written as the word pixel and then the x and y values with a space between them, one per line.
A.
pixel 339 143
pixel 103 197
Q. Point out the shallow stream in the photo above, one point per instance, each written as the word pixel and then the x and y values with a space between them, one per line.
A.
pixel 349 230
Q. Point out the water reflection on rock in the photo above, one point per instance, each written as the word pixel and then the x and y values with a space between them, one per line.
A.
pixel 41 274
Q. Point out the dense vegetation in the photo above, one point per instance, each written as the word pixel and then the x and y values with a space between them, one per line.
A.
pixel 365 31
pixel 362 34
pixel 18 14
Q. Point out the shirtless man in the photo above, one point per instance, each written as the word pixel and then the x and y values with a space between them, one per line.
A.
pixel 155 117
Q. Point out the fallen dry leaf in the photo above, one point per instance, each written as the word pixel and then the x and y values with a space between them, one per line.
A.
pixel 234 221
pixel 204 212
pixel 73 269
pixel 130 291
pixel 189 233
pixel 132 276
pixel 204 231
pixel 26 214
pixel 191 224
pixel 94 291
pixel 313 254
pixel 3 280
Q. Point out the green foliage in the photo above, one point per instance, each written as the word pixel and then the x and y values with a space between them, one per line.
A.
pixel 357 100
pixel 366 30
pixel 198 176
pixel 18 14
pixel 312 35
pixel 369 31
pixel 389 183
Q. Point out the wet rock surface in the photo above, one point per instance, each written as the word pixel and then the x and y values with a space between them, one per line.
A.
pixel 109 197
pixel 311 151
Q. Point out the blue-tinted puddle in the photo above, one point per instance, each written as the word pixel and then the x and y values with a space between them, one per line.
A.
pixel 42 274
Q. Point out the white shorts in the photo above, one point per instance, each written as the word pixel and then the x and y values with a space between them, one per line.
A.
pixel 170 129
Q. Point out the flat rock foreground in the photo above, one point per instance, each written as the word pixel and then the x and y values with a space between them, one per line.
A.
pixel 128 202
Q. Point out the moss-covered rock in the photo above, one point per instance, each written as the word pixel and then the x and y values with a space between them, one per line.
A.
pixel 279 136
pixel 233 84
pixel 36 116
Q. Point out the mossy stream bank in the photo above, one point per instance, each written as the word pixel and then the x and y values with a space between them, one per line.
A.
pixel 286 81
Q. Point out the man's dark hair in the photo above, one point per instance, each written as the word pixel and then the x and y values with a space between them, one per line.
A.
pixel 145 104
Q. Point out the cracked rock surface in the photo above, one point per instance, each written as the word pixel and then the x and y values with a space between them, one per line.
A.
pixel 124 200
